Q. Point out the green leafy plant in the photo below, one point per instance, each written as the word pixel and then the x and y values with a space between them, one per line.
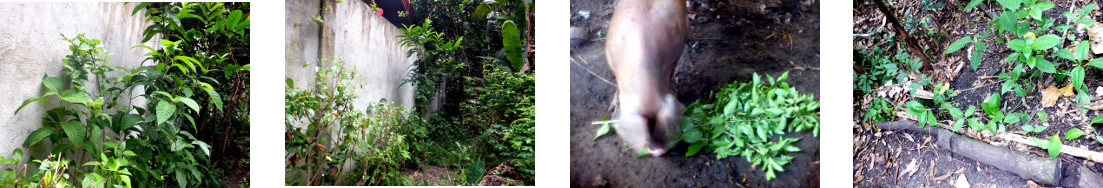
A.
pixel 325 132
pixel 1036 128
pixel 959 116
pixel 1053 145
pixel 504 103
pixel 1014 10
pixel 972 3
pixel 1078 17
pixel 1025 53
pixel 926 116
pixel 995 115
pixel 978 47
pixel 1074 133
pixel 744 119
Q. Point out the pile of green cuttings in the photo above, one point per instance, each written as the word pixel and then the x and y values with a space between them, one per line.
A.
pixel 749 120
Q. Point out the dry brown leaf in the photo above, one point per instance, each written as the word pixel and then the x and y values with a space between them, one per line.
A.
pixel 910 170
pixel 1031 184
pixel 1049 96
pixel 1097 105
pixel 1067 91
pixel 1095 35
pixel 961 182
pixel 943 177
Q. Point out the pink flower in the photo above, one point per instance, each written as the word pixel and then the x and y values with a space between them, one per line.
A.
pixel 379 12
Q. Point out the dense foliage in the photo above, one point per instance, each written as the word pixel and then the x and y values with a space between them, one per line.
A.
pixel 325 132
pixel 475 66
pixel 100 137
pixel 744 119
pixel 474 104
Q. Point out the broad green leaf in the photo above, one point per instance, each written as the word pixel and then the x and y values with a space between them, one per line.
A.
pixel 693 149
pixel 1097 119
pixel 181 179
pixel 52 83
pixel 958 124
pixel 1028 128
pixel 1017 45
pixel 1010 4
pixel 1037 10
pixel 1077 76
pixel 203 146
pixel 957 45
pixel 604 129
pixel 77 97
pixel 1082 51
pixel 511 42
pixel 189 102
pixel 1054 145
pixel 1074 133
pixel 28 101
pixel 1045 42
pixel 1046 66
pixel 75 131
pixel 976 58
pixel 92 180
pixel 1011 119
pixel 1097 63
pixel 1064 53
pixel 1087 9
pixel 128 121
pixel 215 98
pixel 1044 144
pixel 1043 116
pixel 165 110
pixel 972 4
pixel 140 6
pixel 38 135
pixel 692 136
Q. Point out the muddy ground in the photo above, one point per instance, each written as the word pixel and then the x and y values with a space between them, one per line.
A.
pixel 882 157
pixel 728 43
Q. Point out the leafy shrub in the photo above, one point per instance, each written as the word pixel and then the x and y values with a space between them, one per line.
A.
pixel 336 134
pixel 503 104
pixel 744 119
pixel 93 122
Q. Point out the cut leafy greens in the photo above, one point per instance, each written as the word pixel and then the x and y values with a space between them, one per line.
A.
pixel 748 119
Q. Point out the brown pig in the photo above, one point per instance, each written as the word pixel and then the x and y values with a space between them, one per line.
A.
pixel 646 38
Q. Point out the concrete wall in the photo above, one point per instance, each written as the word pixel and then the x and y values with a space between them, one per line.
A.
pixel 356 35
pixel 30 48
pixel 360 38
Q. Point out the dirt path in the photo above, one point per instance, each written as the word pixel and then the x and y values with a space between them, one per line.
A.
pixel 433 175
pixel 744 40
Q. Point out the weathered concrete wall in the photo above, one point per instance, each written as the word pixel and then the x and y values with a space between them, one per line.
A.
pixel 370 43
pixel 301 40
pixel 30 48
pixel 356 35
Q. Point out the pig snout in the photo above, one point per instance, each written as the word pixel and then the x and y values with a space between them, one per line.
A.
pixel 650 130
pixel 646 39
